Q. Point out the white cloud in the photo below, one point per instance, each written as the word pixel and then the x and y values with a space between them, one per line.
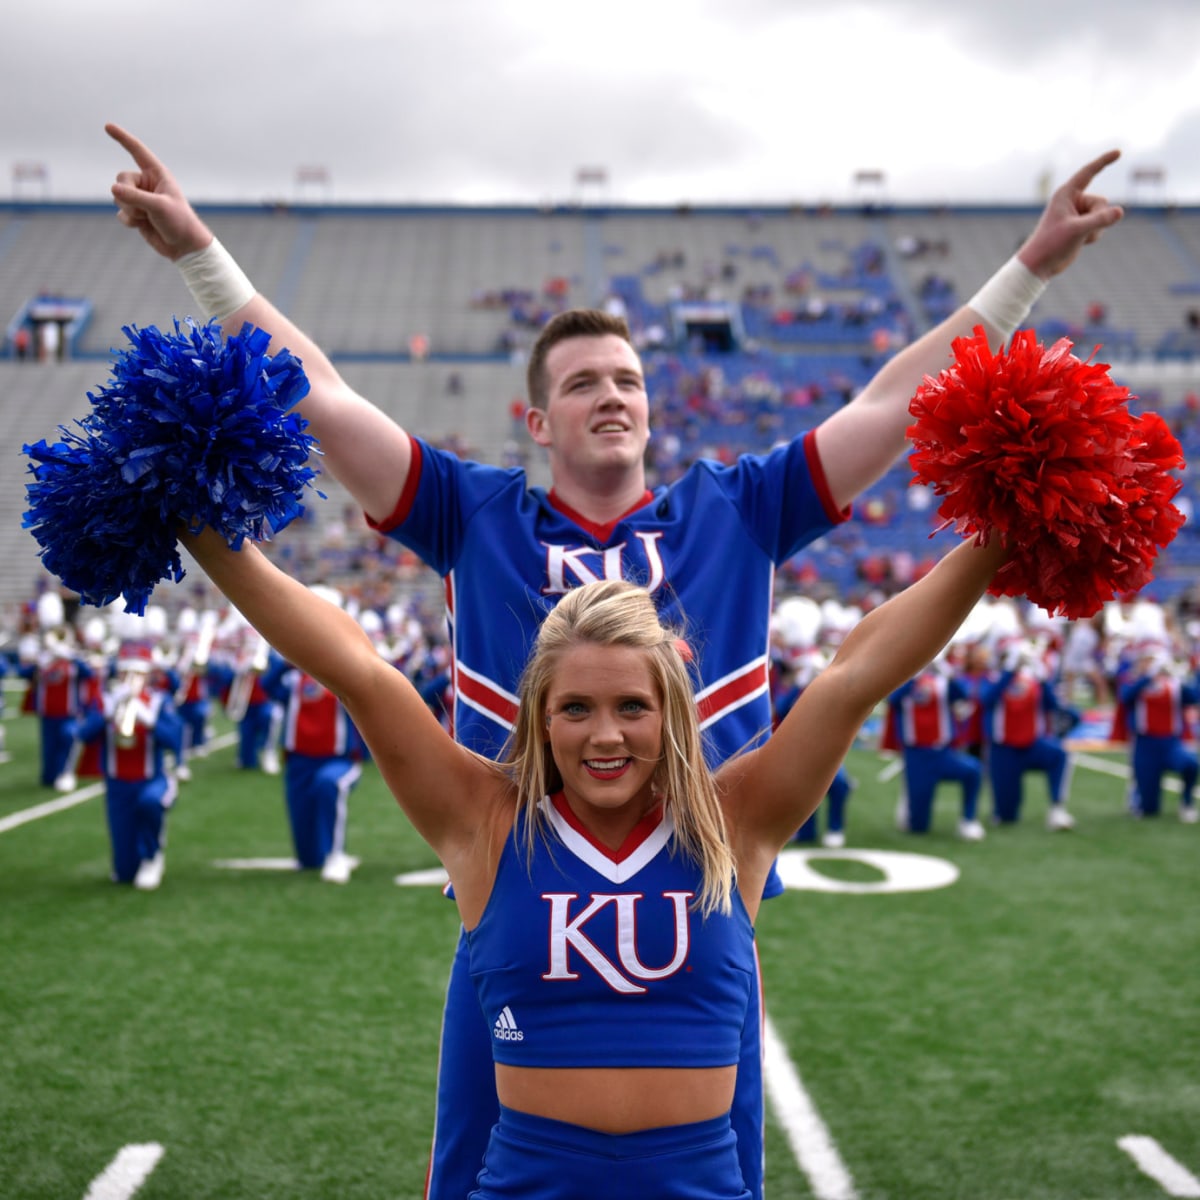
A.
pixel 474 101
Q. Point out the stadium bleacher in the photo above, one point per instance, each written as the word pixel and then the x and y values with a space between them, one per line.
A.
pixel 427 311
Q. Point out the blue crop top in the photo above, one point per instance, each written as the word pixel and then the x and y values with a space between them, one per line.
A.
pixel 590 958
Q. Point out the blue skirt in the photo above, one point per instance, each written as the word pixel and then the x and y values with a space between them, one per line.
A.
pixel 535 1158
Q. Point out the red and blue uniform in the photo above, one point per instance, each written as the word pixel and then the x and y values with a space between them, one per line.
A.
pixel 56 684
pixel 838 795
pixel 1022 716
pixel 1156 706
pixel 970 734
pixel 322 761
pixel 90 764
pixel 138 789
pixel 195 706
pixel 927 730
pixel 256 726
pixel 706 547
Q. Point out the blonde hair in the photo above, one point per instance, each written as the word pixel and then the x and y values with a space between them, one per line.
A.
pixel 618 613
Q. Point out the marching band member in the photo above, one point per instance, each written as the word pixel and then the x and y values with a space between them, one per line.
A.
pixel 85 759
pixel 192 698
pixel 974 670
pixel 407 637
pixel 29 648
pixel 322 764
pixel 796 662
pixel 56 676
pixel 140 727
pixel 247 703
pixel 434 680
pixel 926 726
pixel 1156 700
pixel 5 667
pixel 1022 720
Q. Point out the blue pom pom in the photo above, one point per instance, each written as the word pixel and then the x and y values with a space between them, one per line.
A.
pixel 192 429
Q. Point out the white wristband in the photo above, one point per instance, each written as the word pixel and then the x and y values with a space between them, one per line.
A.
pixel 1005 300
pixel 218 285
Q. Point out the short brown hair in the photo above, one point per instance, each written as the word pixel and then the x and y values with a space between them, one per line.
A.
pixel 575 322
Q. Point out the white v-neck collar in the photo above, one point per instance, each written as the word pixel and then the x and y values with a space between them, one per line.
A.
pixel 643 846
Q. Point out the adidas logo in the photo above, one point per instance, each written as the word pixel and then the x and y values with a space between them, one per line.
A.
pixel 505 1029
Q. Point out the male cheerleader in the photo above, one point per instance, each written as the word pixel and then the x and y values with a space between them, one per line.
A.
pixel 707 546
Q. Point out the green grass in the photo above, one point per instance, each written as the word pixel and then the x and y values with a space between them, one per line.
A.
pixel 278 1035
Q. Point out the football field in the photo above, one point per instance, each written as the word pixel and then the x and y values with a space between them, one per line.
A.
pixel 1017 1019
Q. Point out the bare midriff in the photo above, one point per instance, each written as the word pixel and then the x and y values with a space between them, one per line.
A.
pixel 618 1099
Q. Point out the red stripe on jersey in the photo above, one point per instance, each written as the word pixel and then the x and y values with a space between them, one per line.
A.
pixel 732 693
pixel 314 722
pixel 925 711
pixel 1158 711
pixel 483 696
pixel 812 455
pixel 408 493
pixel 133 763
pixel 1020 718
pixel 58 689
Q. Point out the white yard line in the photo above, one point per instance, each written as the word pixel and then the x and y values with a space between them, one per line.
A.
pixel 890 769
pixel 49 807
pixel 257 864
pixel 1173 1177
pixel 126 1173
pixel 1121 770
pixel 811 1143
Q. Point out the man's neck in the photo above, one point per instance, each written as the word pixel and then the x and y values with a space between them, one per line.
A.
pixel 600 502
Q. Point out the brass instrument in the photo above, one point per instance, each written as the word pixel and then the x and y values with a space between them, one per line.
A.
pixel 243 682
pixel 195 654
pixel 126 712
pixel 134 663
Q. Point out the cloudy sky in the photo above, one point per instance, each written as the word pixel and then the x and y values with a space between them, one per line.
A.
pixel 477 101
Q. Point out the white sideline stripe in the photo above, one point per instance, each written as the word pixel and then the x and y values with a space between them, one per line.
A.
pixel 126 1173
pixel 435 876
pixel 257 864
pixel 891 770
pixel 50 807
pixel 1173 1177
pixel 1103 765
pixel 811 1144
pixel 1121 770
pixel 218 743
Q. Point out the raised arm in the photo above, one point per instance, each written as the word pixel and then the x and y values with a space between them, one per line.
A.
pixel 861 441
pixel 780 785
pixel 364 449
pixel 448 793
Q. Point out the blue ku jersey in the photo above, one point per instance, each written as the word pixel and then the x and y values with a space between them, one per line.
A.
pixel 588 957
pixel 706 546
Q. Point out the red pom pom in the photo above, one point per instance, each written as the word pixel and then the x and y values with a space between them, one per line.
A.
pixel 1040 447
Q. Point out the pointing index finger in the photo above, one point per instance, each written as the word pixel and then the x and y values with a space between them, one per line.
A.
pixel 139 152
pixel 1089 171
